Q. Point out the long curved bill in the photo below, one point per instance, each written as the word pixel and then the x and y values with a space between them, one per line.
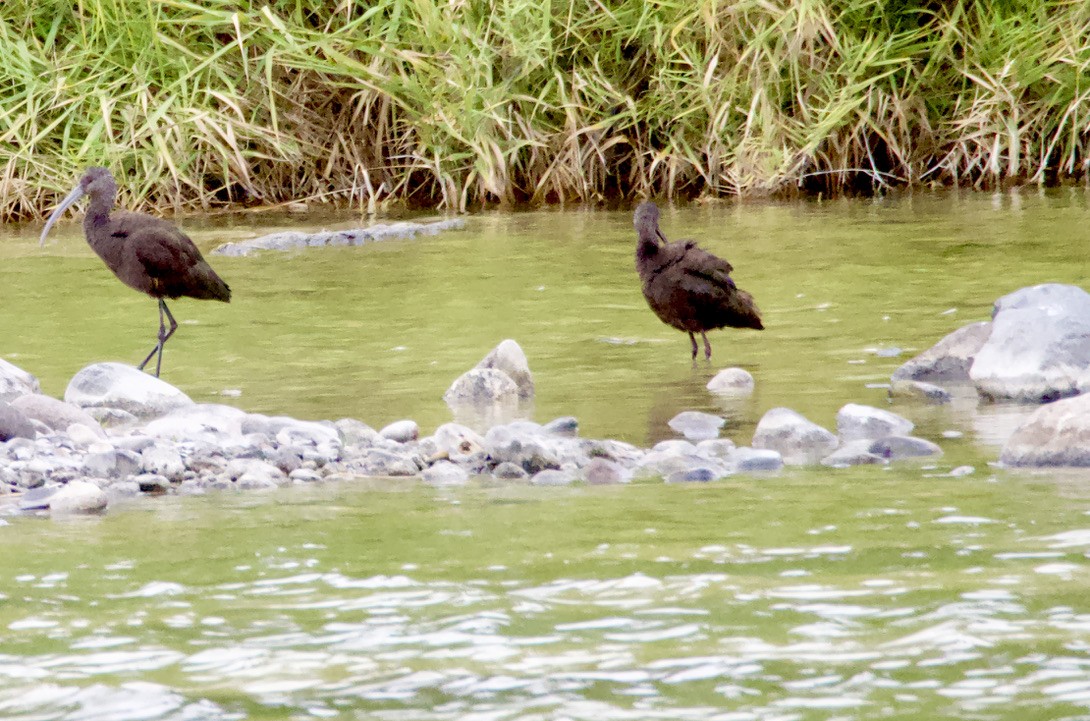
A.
pixel 76 194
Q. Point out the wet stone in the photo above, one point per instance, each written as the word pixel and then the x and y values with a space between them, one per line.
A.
pixel 14 424
pixel 78 497
pixel 302 475
pixel 797 439
pixel 748 460
pixel 401 431
pixel 853 453
pixel 919 390
pixel 601 471
pixel 151 482
pixel 700 474
pixel 445 473
pixel 855 422
pixel 732 382
pixel 697 426
pixel 898 447
pixel 510 471
pixel 567 426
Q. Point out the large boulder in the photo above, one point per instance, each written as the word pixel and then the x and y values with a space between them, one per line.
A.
pixel 14 423
pixel 798 440
pixel 208 422
pixel 1056 434
pixel 56 414
pixel 15 382
pixel 502 376
pixel 118 386
pixel 1039 345
pixel 509 358
pixel 949 360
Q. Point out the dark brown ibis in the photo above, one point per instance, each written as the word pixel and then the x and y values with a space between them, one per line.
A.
pixel 145 253
pixel 687 287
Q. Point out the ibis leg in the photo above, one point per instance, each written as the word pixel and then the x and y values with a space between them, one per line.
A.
pixel 707 346
pixel 164 335
pixel 692 339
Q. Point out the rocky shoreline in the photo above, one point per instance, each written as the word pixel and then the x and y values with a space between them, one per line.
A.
pixel 120 433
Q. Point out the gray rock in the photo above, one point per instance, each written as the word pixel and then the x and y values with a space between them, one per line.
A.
pixel 552 477
pixel 296 432
pixel 533 452
pixel 919 390
pixel 855 422
pixel 122 489
pixel 286 460
pixel 14 424
pixel 600 472
pixel 950 359
pixel 83 436
pixel 163 460
pixel 482 386
pixel 113 417
pixel 750 460
pixel 291 239
pixel 356 433
pixel 457 441
pixel 78 497
pixel 508 358
pixel 623 453
pixel 15 382
pixel 255 470
pixel 699 474
pixel 721 448
pixel 661 464
pixel 112 464
pixel 401 431
pixel 380 462
pixel 303 475
pixel 852 453
pixel 56 414
pixel 1056 434
pixel 151 482
pixel 207 422
pixel 510 471
pixel 898 447
pixel 445 473
pixel 114 385
pixel 1038 347
pixel 36 499
pixel 732 382
pixel 798 440
pixel 567 426
pixel 697 426
pixel 674 446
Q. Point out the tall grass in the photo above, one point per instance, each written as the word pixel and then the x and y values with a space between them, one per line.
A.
pixel 197 104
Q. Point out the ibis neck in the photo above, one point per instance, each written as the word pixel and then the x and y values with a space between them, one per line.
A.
pixel 98 210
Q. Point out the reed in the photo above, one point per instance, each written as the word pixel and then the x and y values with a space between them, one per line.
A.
pixel 451 103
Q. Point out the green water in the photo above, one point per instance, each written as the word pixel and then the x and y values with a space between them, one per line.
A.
pixel 813 594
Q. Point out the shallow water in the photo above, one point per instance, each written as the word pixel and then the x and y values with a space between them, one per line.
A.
pixel 813 594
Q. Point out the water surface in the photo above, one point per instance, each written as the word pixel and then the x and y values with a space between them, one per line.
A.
pixel 812 594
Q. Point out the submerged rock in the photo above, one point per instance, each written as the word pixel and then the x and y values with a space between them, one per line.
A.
pixel 920 391
pixel 1056 434
pixel 118 386
pixel 697 426
pixel 853 453
pixel 445 473
pixel 15 382
pixel 797 439
pixel 14 423
pixel 898 447
pixel 750 460
pixel 1038 347
pixel 732 382
pixel 292 240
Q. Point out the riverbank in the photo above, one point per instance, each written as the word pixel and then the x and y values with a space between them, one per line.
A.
pixel 196 106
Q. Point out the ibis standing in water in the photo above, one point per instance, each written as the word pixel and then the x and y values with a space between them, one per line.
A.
pixel 145 253
pixel 687 287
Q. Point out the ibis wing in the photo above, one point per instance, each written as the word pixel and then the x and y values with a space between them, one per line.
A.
pixel 705 273
pixel 164 251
